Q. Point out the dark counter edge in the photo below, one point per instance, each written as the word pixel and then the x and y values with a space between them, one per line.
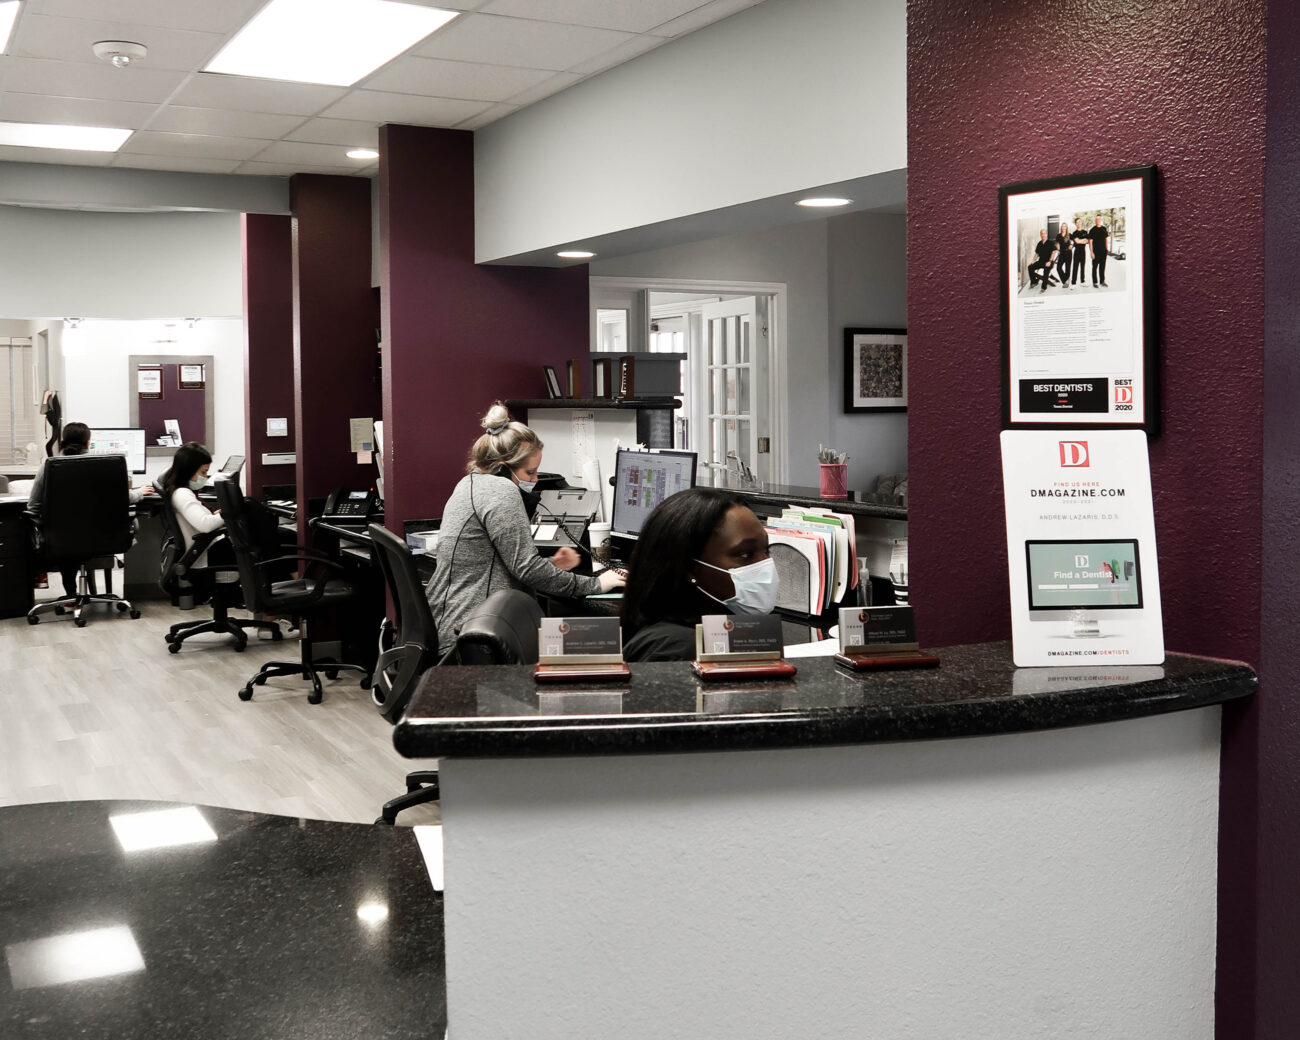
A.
pixel 572 736
pixel 776 500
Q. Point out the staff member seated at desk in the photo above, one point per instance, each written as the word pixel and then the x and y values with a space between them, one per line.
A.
pixel 485 543
pixel 180 485
pixel 74 440
pixel 702 551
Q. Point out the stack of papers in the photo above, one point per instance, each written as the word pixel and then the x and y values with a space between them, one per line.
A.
pixel 816 556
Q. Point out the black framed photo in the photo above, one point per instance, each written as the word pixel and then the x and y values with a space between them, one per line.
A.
pixel 875 370
pixel 1080 336
pixel 552 382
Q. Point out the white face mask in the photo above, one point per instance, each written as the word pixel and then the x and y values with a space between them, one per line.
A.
pixel 198 482
pixel 757 586
pixel 527 485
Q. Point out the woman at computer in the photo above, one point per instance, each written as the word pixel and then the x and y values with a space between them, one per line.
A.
pixel 485 543
pixel 73 440
pixel 702 551
pixel 180 485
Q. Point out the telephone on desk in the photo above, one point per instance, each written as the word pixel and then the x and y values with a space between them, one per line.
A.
pixel 350 505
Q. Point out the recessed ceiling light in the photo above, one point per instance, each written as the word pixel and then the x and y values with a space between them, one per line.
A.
pixel 363 153
pixel 77 138
pixel 575 254
pixel 824 203
pixel 8 12
pixel 335 42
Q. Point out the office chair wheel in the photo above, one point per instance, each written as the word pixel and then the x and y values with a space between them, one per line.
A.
pixel 60 610
pixel 135 614
pixel 331 674
pixel 121 608
pixel 173 648
pixel 79 622
pixel 316 695
pixel 246 693
pixel 32 619
pixel 381 822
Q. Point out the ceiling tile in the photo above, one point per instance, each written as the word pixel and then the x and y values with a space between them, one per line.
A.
pixel 70 39
pixel 200 146
pixel 177 163
pixel 554 85
pixel 207 90
pixel 626 15
pixel 74 79
pixel 433 77
pixel 218 16
pixel 624 52
pixel 302 154
pixel 351 132
pixel 523 42
pixel 36 108
pixel 379 107
pixel 711 12
pixel 223 122
pixel 8 153
pixel 489 115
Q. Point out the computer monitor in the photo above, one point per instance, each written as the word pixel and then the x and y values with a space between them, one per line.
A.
pixel 232 466
pixel 1075 581
pixel 128 441
pixel 643 479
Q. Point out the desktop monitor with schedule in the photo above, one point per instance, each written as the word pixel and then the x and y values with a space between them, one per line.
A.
pixel 127 440
pixel 643 479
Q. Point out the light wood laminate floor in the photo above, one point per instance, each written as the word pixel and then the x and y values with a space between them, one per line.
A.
pixel 106 712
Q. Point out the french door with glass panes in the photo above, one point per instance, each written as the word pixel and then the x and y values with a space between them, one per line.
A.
pixel 733 389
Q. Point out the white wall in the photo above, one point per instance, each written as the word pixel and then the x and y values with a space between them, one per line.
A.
pixel 783 96
pixel 98 387
pixel 66 263
pixel 846 270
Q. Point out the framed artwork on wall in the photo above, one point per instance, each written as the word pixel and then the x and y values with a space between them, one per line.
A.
pixel 875 370
pixel 1079 310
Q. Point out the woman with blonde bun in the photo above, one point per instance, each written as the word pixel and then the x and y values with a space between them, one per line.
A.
pixel 485 543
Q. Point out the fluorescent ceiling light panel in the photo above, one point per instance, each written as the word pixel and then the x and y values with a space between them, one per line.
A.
pixel 334 42
pixel 823 203
pixel 575 254
pixel 363 153
pixel 161 828
pixel 8 12
pixel 75 138
pixel 74 957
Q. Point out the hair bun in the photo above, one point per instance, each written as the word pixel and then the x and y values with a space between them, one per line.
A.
pixel 496 420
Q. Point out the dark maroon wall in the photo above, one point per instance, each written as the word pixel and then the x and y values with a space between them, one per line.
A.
pixel 456 335
pixel 188 407
pixel 1009 90
pixel 334 330
pixel 268 345
pixel 1279 717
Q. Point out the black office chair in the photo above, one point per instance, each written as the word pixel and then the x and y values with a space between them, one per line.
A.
pixel 501 630
pixel 408 647
pixel 306 597
pixel 85 517
pixel 189 586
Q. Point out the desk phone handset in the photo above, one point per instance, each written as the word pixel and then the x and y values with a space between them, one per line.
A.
pixel 350 504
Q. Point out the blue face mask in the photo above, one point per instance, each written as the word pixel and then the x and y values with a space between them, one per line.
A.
pixel 198 482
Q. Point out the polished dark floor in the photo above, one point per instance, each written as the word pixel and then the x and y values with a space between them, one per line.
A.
pixel 257 926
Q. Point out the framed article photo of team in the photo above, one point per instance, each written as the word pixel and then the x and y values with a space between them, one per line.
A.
pixel 1079 331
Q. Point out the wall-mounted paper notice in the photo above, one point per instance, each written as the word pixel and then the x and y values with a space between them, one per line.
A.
pixel 362 431
pixel 148 380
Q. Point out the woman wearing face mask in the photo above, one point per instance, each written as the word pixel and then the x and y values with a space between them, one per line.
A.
pixel 180 484
pixel 485 543
pixel 702 551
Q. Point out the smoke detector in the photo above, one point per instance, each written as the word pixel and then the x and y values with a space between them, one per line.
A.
pixel 119 53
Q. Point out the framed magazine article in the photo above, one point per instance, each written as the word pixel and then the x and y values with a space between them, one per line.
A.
pixel 875 370
pixel 1080 338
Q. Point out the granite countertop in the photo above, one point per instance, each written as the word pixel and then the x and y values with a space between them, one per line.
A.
pixel 256 932
pixel 491 712
pixel 860 503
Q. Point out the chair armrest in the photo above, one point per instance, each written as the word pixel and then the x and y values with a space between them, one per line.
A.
pixel 309 558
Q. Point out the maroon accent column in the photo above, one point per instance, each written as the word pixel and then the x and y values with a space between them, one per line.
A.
pixel 1278 722
pixel 334 331
pixel 268 345
pixel 1009 91
pixel 456 335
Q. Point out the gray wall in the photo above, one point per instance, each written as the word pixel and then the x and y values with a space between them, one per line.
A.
pixel 844 271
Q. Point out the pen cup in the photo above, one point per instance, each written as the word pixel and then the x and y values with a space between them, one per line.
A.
pixel 834 479
pixel 599 535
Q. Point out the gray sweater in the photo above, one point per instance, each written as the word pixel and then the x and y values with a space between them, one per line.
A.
pixel 485 544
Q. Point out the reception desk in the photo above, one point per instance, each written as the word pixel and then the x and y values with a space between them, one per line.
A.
pixel 976 851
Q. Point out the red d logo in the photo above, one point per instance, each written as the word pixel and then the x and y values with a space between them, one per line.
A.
pixel 1074 453
pixel 1123 395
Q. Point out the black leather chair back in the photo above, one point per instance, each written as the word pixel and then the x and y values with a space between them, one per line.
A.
pixel 409 644
pixel 177 575
pixel 501 630
pixel 254 580
pixel 87 510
